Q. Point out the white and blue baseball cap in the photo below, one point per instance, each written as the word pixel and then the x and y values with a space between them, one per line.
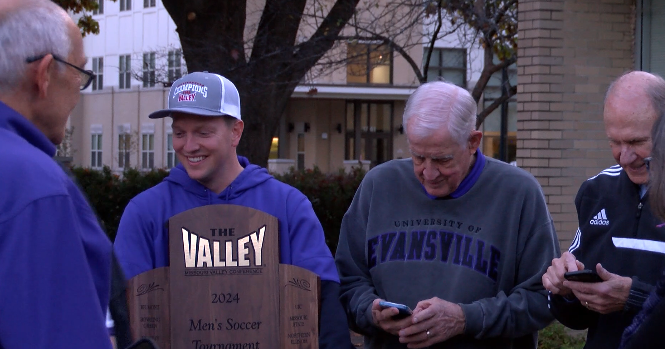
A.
pixel 202 93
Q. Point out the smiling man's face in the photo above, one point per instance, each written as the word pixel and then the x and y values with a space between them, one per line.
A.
pixel 206 146
pixel 628 118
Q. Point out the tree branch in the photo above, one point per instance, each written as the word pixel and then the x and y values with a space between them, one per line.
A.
pixel 502 11
pixel 278 27
pixel 323 39
pixel 497 102
pixel 489 69
pixel 430 47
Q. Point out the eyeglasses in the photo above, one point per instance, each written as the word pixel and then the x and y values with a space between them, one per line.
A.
pixel 86 75
pixel 647 161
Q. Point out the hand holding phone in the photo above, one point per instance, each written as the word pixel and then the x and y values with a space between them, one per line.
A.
pixel 585 275
pixel 404 311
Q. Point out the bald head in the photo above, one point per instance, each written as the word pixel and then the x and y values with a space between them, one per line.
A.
pixel 632 104
pixel 637 84
pixel 8 5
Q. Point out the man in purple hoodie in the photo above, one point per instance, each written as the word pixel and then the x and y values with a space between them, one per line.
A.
pixel 207 127
pixel 56 260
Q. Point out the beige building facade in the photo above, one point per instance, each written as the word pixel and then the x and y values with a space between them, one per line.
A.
pixel 111 128
pixel 348 116
pixel 569 52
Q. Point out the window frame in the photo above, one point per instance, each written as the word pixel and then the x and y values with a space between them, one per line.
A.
pixel 370 47
pixel 124 146
pixel 98 69
pixel 174 65
pixel 96 149
pixel 125 5
pixel 361 138
pixel 100 8
pixel 438 71
pixel 147 151
pixel 124 72
pixel 492 136
pixel 149 64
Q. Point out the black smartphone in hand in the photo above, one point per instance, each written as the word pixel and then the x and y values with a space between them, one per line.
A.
pixel 404 311
pixel 585 275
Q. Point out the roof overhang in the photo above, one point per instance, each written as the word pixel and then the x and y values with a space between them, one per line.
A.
pixel 353 92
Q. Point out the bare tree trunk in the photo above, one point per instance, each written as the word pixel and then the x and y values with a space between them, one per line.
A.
pixel 211 35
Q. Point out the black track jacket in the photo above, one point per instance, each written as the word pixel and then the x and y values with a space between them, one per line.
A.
pixel 616 229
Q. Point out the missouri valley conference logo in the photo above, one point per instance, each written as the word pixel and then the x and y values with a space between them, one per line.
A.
pixel 228 255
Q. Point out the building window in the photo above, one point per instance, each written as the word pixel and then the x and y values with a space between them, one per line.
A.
pixel 148 3
pixel 96 147
pixel 171 159
pixel 149 69
pixel 274 148
pixel 449 64
pixel 98 69
pixel 649 39
pixel 175 62
pixel 369 131
pixel 300 163
pixel 125 75
pixel 500 126
pixel 124 149
pixel 147 151
pixel 125 5
pixel 124 145
pixel 368 63
pixel 100 7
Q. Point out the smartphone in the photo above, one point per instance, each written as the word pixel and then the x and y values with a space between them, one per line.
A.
pixel 583 276
pixel 404 311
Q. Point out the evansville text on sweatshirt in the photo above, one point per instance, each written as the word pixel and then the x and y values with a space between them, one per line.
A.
pixel 484 247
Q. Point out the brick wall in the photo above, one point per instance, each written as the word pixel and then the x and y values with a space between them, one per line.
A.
pixel 569 52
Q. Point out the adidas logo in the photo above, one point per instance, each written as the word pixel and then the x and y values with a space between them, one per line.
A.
pixel 600 219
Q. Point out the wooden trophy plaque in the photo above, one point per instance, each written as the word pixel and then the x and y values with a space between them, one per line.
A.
pixel 149 311
pixel 224 287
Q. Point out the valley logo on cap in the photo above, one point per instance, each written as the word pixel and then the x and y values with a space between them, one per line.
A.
pixel 186 92
pixel 202 93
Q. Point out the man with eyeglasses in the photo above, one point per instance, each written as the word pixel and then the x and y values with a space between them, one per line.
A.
pixel 85 76
pixel 618 237
pixel 56 260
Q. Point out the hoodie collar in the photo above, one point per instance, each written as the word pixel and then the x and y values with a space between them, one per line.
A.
pixel 16 123
pixel 251 176
pixel 468 181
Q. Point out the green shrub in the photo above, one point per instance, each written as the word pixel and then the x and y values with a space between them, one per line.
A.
pixel 109 193
pixel 330 194
pixel 556 336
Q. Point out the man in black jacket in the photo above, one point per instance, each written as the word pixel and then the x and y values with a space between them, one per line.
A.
pixel 618 237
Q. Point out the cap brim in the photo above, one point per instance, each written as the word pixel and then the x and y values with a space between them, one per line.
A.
pixel 195 111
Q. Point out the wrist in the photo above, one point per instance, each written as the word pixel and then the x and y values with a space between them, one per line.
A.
pixel 461 321
pixel 637 294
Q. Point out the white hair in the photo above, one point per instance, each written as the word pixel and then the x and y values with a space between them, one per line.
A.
pixel 437 104
pixel 33 28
